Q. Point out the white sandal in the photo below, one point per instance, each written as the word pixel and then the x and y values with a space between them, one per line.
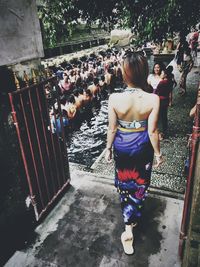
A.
pixel 134 225
pixel 127 243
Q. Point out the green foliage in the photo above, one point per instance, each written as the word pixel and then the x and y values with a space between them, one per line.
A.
pixel 153 20
pixel 149 19
pixel 57 17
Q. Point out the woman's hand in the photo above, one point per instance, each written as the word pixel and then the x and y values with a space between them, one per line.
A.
pixel 159 160
pixel 108 155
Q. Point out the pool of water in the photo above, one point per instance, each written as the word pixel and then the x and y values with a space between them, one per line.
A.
pixel 87 142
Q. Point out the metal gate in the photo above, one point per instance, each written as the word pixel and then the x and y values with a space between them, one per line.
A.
pixel 193 149
pixel 43 148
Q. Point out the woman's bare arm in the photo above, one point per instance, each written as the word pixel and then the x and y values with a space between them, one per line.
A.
pixel 112 123
pixel 112 128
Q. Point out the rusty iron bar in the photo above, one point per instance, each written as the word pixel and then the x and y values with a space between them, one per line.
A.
pixel 63 135
pixel 34 77
pixel 190 179
pixel 16 81
pixel 31 149
pixel 54 83
pixel 59 155
pixel 52 143
pixel 58 136
pixel 58 140
pixel 39 145
pixel 32 86
pixel 54 197
pixel 45 136
pixel 26 79
pixel 23 154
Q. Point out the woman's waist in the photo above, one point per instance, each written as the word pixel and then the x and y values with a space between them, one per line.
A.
pixel 131 130
pixel 131 138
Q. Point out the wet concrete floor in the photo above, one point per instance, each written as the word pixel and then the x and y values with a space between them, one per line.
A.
pixel 85 227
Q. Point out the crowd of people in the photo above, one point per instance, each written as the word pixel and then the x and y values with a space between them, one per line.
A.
pixel 91 78
pixel 137 116
pixel 83 82
pixel 162 78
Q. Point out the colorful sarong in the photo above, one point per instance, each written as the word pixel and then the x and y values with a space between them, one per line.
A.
pixel 133 154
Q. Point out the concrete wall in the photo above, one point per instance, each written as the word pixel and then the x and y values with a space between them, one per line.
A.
pixel 20 35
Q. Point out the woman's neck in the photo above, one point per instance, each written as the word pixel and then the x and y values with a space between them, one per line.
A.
pixel 132 86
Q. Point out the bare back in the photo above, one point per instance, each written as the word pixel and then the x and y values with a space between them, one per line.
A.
pixel 136 105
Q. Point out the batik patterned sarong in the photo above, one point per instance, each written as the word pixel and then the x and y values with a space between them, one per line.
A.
pixel 133 154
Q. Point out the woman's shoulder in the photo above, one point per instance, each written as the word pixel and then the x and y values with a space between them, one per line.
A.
pixel 151 75
pixel 115 96
pixel 152 100
pixel 152 97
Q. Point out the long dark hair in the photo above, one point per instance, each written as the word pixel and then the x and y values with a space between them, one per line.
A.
pixel 135 69
pixel 161 65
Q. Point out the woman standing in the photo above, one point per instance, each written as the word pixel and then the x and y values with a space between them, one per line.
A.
pixel 187 65
pixel 164 89
pixel 182 46
pixel 154 78
pixel 132 132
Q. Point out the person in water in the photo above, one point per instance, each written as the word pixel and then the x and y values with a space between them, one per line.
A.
pixel 133 139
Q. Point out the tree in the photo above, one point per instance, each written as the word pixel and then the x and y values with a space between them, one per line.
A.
pixel 155 19
pixel 149 19
pixel 56 17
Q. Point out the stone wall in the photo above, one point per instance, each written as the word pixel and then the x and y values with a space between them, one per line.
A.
pixel 20 37
pixel 21 50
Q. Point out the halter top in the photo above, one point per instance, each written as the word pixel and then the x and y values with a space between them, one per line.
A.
pixel 133 90
pixel 135 124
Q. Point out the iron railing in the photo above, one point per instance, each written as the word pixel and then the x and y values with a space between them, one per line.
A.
pixel 43 150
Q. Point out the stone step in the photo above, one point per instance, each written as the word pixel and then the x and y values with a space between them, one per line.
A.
pixel 109 180
pixel 22 259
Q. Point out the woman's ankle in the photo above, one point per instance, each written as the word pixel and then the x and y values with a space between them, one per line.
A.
pixel 128 229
